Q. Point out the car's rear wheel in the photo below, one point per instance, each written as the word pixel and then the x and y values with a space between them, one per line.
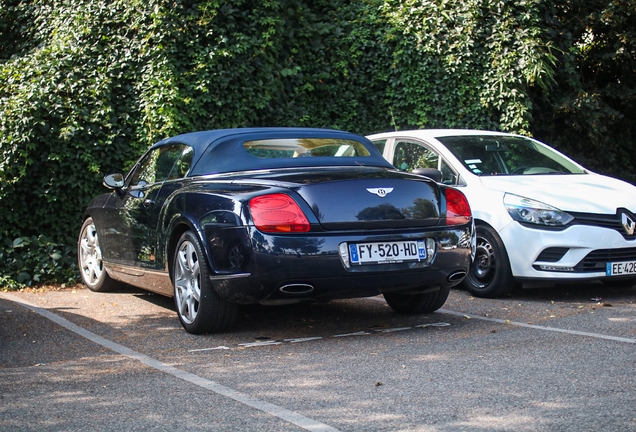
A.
pixel 199 307
pixel 417 303
pixel 489 275
pixel 89 259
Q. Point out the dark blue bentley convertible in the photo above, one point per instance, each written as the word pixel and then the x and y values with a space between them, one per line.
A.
pixel 274 215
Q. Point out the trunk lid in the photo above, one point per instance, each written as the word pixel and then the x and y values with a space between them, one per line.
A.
pixel 368 198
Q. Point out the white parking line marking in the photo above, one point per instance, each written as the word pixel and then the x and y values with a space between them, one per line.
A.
pixel 391 330
pixel 437 324
pixel 258 344
pixel 519 324
pixel 209 349
pixel 360 333
pixel 303 339
pixel 276 411
pixel 536 327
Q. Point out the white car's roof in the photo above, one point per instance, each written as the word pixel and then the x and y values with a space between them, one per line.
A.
pixel 434 133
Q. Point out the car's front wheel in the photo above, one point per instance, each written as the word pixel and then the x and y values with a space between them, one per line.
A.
pixel 89 259
pixel 417 303
pixel 199 307
pixel 489 275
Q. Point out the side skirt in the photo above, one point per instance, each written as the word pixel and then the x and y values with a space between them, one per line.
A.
pixel 150 280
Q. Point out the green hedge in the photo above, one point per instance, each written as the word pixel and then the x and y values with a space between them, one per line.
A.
pixel 33 260
pixel 86 86
pixel 590 112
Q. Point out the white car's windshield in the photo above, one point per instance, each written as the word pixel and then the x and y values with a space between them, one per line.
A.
pixel 507 155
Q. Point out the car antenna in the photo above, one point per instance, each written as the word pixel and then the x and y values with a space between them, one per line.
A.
pixel 393 118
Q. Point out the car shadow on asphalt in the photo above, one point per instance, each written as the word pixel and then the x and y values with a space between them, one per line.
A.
pixel 364 314
pixel 577 292
pixel 327 316
pixel 569 292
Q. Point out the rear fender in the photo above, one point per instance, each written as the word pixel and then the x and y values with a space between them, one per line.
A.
pixel 217 222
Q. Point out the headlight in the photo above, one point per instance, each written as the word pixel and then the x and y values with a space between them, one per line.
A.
pixel 530 211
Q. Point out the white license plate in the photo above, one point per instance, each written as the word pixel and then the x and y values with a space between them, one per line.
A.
pixel 387 252
pixel 620 268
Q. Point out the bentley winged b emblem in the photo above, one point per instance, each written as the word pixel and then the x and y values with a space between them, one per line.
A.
pixel 381 192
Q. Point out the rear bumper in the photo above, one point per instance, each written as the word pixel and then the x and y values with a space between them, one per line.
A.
pixel 302 267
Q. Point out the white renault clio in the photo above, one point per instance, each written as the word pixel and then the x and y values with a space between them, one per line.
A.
pixel 540 216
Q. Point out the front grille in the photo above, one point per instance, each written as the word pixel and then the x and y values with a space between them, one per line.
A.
pixel 596 260
pixel 552 254
pixel 609 221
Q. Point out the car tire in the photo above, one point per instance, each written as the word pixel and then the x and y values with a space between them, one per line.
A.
pixel 199 307
pixel 89 260
pixel 417 303
pixel 489 275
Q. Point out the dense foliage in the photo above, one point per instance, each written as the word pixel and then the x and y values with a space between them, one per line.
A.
pixel 590 111
pixel 87 85
pixel 31 260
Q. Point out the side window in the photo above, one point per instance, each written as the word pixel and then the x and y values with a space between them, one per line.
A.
pixel 156 165
pixel 448 175
pixel 409 156
pixel 182 166
pixel 380 144
pixel 145 171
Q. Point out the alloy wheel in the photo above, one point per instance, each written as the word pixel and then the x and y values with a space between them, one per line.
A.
pixel 187 282
pixel 91 264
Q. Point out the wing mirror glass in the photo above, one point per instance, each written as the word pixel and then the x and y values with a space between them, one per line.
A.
pixel 114 181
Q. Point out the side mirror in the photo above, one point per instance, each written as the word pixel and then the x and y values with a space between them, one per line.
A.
pixel 114 181
pixel 432 173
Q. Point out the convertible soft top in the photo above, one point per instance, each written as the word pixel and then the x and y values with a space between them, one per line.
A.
pixel 222 150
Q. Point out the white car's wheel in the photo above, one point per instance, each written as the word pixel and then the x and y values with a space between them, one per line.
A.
pixel 199 307
pixel 489 275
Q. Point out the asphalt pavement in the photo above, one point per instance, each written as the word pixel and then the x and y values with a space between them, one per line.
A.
pixel 550 359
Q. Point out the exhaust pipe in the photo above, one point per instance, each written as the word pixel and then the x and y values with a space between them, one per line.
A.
pixel 456 276
pixel 296 289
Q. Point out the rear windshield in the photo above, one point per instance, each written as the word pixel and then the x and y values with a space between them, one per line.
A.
pixel 305 147
pixel 500 155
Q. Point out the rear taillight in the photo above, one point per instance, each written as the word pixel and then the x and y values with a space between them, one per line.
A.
pixel 457 208
pixel 278 213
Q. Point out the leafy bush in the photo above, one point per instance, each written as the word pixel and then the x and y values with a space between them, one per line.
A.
pixel 26 261
pixel 590 112
pixel 467 64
